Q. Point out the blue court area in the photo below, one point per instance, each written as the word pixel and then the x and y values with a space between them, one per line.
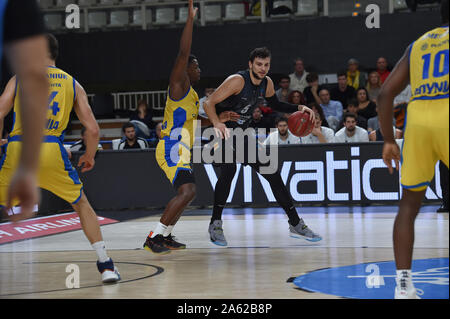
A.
pixel 377 280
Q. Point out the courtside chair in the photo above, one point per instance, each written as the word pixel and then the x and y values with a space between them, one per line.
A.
pixel 64 3
pixel 87 3
pixel 234 12
pixel 307 8
pixel 97 19
pixel 108 2
pixel 213 12
pixel 137 17
pixel 400 4
pixel 164 16
pixel 53 21
pixel 46 3
pixel 119 18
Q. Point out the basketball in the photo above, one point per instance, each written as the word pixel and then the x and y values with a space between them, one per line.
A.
pixel 299 124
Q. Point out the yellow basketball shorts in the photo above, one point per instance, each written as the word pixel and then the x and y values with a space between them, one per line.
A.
pixel 174 158
pixel 56 174
pixel 425 141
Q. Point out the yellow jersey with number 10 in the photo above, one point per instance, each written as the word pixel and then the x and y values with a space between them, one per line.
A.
pixel 60 103
pixel 429 65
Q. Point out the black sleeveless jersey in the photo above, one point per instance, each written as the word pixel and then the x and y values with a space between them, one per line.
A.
pixel 245 102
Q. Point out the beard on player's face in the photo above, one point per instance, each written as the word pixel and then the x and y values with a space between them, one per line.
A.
pixel 259 67
pixel 256 75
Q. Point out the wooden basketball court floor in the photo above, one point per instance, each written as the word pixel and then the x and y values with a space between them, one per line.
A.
pixel 259 259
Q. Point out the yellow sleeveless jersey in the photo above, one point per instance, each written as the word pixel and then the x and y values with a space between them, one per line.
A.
pixel 60 103
pixel 428 60
pixel 180 119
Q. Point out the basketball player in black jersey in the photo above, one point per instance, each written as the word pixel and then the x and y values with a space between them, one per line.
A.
pixel 241 93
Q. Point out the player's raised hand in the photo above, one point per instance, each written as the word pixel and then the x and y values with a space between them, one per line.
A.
pixel 86 162
pixel 229 116
pixel 391 152
pixel 303 108
pixel 192 10
pixel 23 187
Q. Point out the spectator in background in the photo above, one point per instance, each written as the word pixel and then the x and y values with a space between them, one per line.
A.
pixel 318 109
pixel 282 135
pixel 144 115
pixel 319 134
pixel 373 124
pixel 400 105
pixel 343 92
pixel 311 92
pixel 373 86
pixel 284 90
pixel 154 141
pixel 131 141
pixel 296 97
pixel 382 69
pixel 332 109
pixel 298 78
pixel 80 145
pixel 259 121
pixel 377 136
pixel 158 129
pixel 351 133
pixel 366 107
pixel 352 107
pixel 355 77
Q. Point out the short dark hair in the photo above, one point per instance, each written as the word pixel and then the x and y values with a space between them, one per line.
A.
pixel 53 46
pixel 261 53
pixel 312 77
pixel 127 125
pixel 280 119
pixel 285 76
pixel 191 58
pixel 353 102
pixel 346 115
pixel 342 73
pixel 298 59
pixel 444 11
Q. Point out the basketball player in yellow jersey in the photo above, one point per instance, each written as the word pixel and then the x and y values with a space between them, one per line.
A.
pixel 55 172
pixel 173 152
pixel 425 65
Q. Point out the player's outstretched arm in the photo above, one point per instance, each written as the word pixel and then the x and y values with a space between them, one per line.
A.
pixel 280 106
pixel 231 86
pixel 92 134
pixel 394 84
pixel 7 100
pixel 179 80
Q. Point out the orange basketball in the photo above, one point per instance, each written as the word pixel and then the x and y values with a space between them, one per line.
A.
pixel 299 124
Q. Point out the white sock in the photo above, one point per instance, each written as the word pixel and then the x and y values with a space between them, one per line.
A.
pixel 405 273
pixel 100 249
pixel 160 229
pixel 168 230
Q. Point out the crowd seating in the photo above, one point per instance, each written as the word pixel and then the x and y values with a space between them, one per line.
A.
pixel 107 14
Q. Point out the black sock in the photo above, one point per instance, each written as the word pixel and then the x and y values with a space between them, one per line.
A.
pixel 293 216
pixel 217 213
